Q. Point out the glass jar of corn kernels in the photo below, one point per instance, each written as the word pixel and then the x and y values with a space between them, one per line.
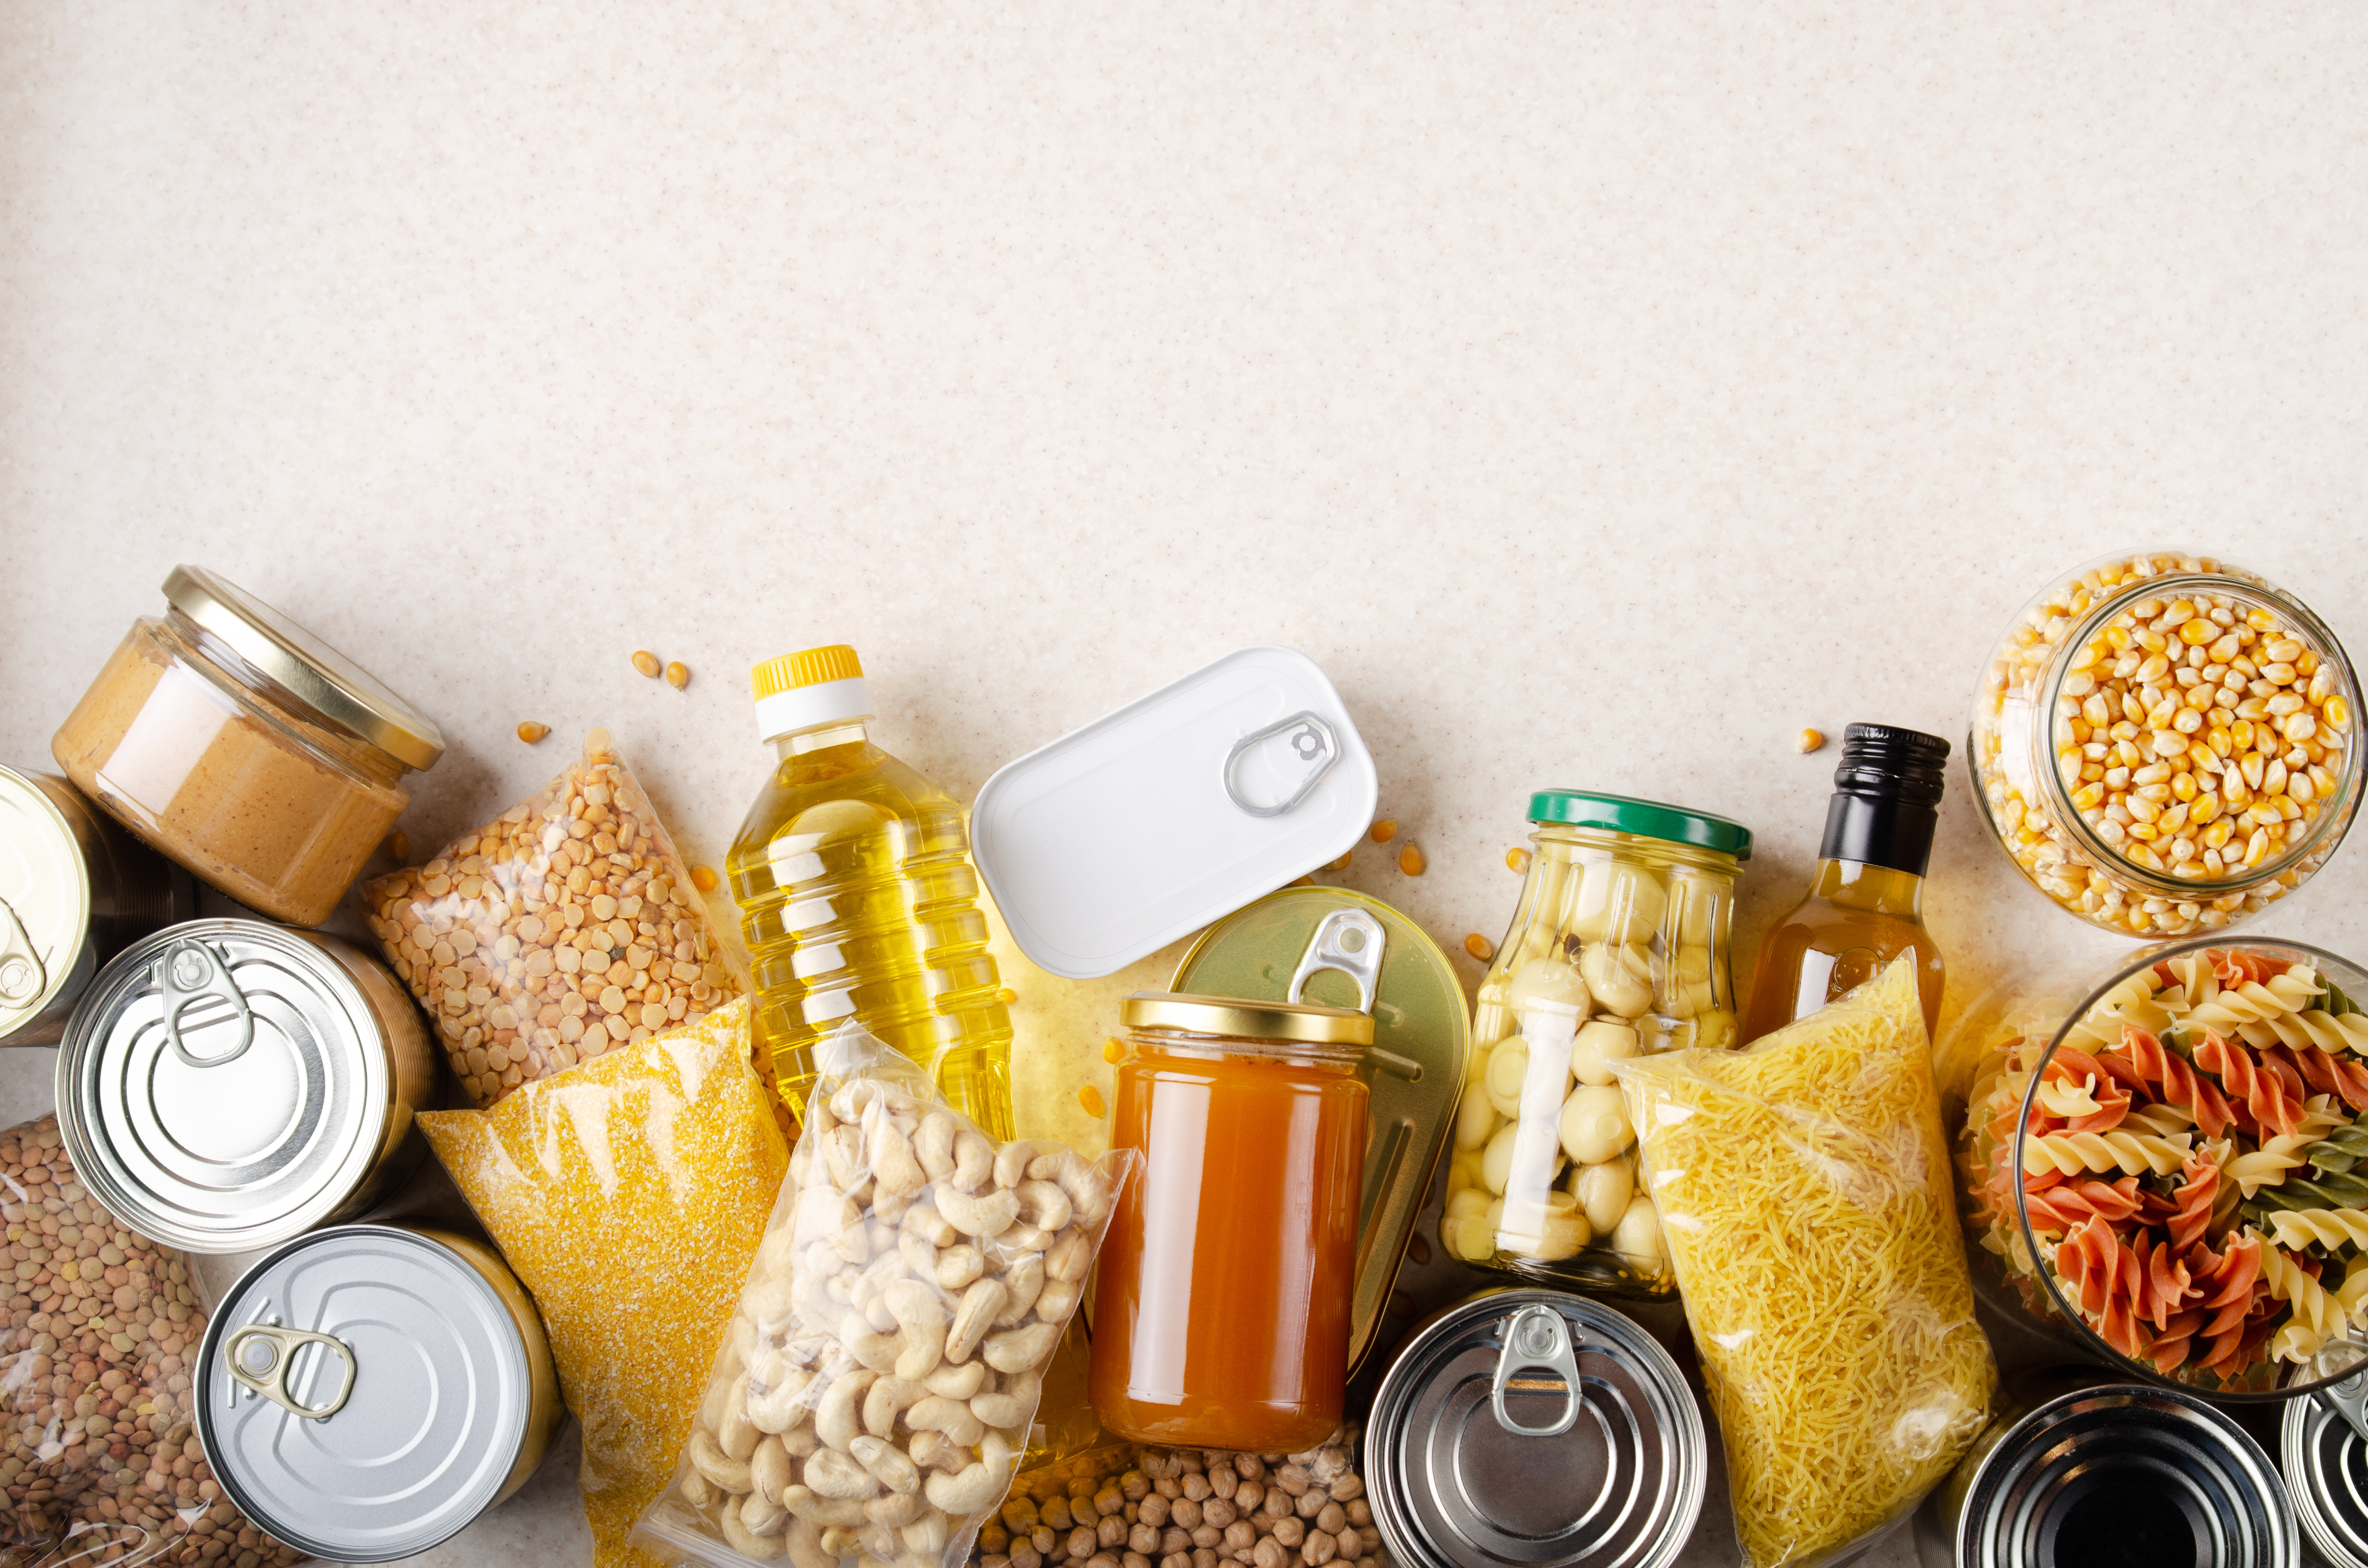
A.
pixel 2165 743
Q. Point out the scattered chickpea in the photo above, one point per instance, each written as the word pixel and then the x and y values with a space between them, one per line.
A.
pixel 1810 740
pixel 1517 859
pixel 647 662
pixel 1410 859
pixel 703 877
pixel 1090 1098
pixel 1386 829
pixel 678 675
pixel 398 847
pixel 530 731
pixel 1479 947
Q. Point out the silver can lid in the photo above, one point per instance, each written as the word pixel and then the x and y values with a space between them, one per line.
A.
pixel 363 1393
pixel 2327 1471
pixel 223 1085
pixel 44 902
pixel 2125 1473
pixel 1537 1429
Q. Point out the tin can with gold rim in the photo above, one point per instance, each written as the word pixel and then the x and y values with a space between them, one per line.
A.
pixel 76 888
pixel 226 1085
pixel 365 1391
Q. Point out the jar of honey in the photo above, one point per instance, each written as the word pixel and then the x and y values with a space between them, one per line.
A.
pixel 1222 1316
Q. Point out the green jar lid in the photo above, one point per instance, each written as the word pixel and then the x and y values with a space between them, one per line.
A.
pixel 1645 819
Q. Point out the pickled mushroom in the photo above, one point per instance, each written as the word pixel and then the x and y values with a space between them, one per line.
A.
pixel 1600 1042
pixel 1594 1126
pixel 1621 978
pixel 1548 980
pixel 1617 903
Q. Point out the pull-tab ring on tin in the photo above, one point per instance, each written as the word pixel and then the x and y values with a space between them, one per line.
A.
pixel 1312 741
pixel 1332 948
pixel 193 973
pixel 1536 1337
pixel 23 976
pixel 269 1377
pixel 2349 1399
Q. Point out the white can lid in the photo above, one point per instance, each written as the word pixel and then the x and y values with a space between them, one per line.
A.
pixel 1173 812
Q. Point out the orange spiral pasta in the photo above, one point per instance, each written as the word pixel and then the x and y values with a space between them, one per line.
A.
pixel 2272 1102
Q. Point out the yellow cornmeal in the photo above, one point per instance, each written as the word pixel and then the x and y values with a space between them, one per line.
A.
pixel 629 1194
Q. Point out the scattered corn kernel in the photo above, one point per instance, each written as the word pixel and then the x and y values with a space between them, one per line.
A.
pixel 1112 1050
pixel 1341 864
pixel 1479 947
pixel 531 732
pixel 1410 859
pixel 1517 859
pixel 647 662
pixel 398 847
pixel 1810 740
pixel 1302 882
pixel 1006 996
pixel 1386 829
pixel 1418 1248
pixel 703 877
pixel 1091 1099
pixel 678 675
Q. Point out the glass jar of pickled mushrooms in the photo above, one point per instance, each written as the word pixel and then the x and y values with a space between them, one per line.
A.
pixel 1619 946
pixel 2163 742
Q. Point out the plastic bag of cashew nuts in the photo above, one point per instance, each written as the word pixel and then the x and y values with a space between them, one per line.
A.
pixel 875 1391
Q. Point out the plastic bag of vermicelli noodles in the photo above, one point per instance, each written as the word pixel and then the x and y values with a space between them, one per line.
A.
pixel 1804 1194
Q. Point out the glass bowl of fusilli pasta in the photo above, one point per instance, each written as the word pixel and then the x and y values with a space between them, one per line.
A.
pixel 2172 1172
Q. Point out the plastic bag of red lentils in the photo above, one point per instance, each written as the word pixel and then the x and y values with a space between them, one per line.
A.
pixel 101 1462
pixel 564 928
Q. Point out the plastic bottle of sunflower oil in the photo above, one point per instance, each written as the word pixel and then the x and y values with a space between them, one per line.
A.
pixel 857 898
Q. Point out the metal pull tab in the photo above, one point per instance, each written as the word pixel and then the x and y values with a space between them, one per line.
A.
pixel 1536 1337
pixel 1350 941
pixel 2349 1399
pixel 1311 742
pixel 192 972
pixel 23 976
pixel 268 1376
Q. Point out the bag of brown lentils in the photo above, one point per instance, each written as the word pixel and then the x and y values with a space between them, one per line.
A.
pixel 101 1462
pixel 561 929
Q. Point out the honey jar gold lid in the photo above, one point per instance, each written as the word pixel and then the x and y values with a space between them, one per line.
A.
pixel 316 674
pixel 1247 1020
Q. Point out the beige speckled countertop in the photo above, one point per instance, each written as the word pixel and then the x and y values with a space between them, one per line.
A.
pixel 1599 397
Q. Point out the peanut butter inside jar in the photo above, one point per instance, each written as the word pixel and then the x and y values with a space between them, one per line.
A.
pixel 242 747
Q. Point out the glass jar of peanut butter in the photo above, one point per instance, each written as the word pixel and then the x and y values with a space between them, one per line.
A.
pixel 246 749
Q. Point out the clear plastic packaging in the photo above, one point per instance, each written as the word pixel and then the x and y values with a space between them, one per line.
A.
pixel 877 1388
pixel 102 1462
pixel 1802 1184
pixel 629 1195
pixel 2169 1167
pixel 564 928
pixel 2163 742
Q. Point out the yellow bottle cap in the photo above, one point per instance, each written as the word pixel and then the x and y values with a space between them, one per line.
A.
pixel 811 667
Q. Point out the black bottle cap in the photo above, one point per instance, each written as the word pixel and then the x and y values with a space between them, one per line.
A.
pixel 1886 798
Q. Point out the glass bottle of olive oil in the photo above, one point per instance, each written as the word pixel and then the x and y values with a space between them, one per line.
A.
pixel 1866 906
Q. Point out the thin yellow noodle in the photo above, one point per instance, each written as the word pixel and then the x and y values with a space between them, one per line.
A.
pixel 1804 1188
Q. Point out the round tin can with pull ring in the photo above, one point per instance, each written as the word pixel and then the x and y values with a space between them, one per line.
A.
pixel 2324 1440
pixel 365 1391
pixel 1532 1428
pixel 226 1085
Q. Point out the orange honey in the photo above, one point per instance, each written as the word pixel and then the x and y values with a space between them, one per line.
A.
pixel 1222 1316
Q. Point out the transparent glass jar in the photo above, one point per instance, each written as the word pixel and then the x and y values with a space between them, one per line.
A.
pixel 2166 1166
pixel 1619 946
pixel 246 749
pixel 2154 778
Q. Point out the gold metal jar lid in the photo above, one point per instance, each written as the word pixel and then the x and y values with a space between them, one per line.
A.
pixel 338 688
pixel 1240 1019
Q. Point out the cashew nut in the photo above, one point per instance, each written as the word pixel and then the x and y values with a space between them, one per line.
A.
pixel 1070 1259
pixel 957 1267
pixel 974 1162
pixel 746 1542
pixel 894 1168
pixel 735 1434
pixel 934 1144
pixel 762 1515
pixel 1057 1299
pixel 804 1540
pixel 771 1471
pixel 877 1351
pixel 701 1493
pixel 805 1503
pixel 921 1331
pixel 935 1451
pixel 887 1463
pixel 886 1402
pixel 1019 1349
pixel 1013 1405
pixel 835 1421
pixel 1011 1160
pixel 842 1154
pixel 924 1221
pixel 977 1313
pixel 952 1417
pixel 897 1507
pixel 831 1473
pixel 1089 1192
pixel 837 1540
pixel 976 1487
pixel 987 1216
pixel 1021 1284
pixel 718 1466
pixel 925 1537
pixel 957 1380
pixel 1022 1238
pixel 1044 1204
pixel 781 1405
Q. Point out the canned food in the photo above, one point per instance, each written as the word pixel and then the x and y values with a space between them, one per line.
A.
pixel 2326 1457
pixel 1336 947
pixel 226 1085
pixel 75 890
pixel 1532 1427
pixel 2108 1475
pixel 364 1392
